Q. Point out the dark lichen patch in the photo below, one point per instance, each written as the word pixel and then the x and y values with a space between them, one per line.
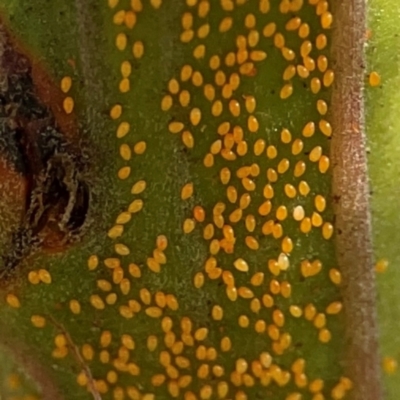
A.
pixel 33 144
pixel 56 212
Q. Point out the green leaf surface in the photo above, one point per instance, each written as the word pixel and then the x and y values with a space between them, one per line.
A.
pixel 239 334
pixel 383 126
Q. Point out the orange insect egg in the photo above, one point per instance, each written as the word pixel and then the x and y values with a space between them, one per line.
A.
pixel 267 301
pixel 323 164
pixel 129 19
pixel 68 105
pixel 234 108
pixel 304 30
pixel 305 48
pixel 293 24
pixel 295 311
pixel 138 49
pixel 187 191
pixel 272 152
pixel 390 365
pixel 195 116
pixel 253 38
pixel 243 321
pixel 315 85
pixel 298 213
pixel 257 279
pixel 33 277
pixel 231 293
pixel 184 98
pixel 326 20
pixel 298 145
pixel 286 136
pixel 250 223
pixel 187 139
pixel 258 55
pixel 279 40
pixel 315 154
pixel 286 91
pixel 234 81
pixel 283 262
pixel 283 166
pixel 220 78
pixel 241 265
pixel 281 213
pixel 328 78
pixel 208 160
pixel 252 123
pixel 122 130
pixel 241 56
pixel 309 63
pixel 316 219
pixel 321 41
pixel 327 230
pixel 334 308
pixel 121 41
pixel 290 191
pixel 259 147
pixel 230 59
pixel 324 335
pixel 374 79
pixel 199 213
pixel 305 225
pixel 186 72
pixel 199 51
pixel 214 62
pixel 302 71
pixel 304 188
pixel 197 79
pixel 286 289
pixel 309 129
pixel 322 107
pixel 322 63
pixel 272 175
pixel 287 245
pixel 381 265
pixel 66 83
pixel 289 72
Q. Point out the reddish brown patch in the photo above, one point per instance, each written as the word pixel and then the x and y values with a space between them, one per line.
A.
pixel 13 186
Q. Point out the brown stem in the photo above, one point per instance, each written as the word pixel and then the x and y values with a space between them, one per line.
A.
pixel 351 189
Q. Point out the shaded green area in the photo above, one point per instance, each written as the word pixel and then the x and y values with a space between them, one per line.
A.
pixel 53 31
pixel 383 127
pixel 14 384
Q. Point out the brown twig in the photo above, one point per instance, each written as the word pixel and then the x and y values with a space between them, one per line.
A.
pixel 351 189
